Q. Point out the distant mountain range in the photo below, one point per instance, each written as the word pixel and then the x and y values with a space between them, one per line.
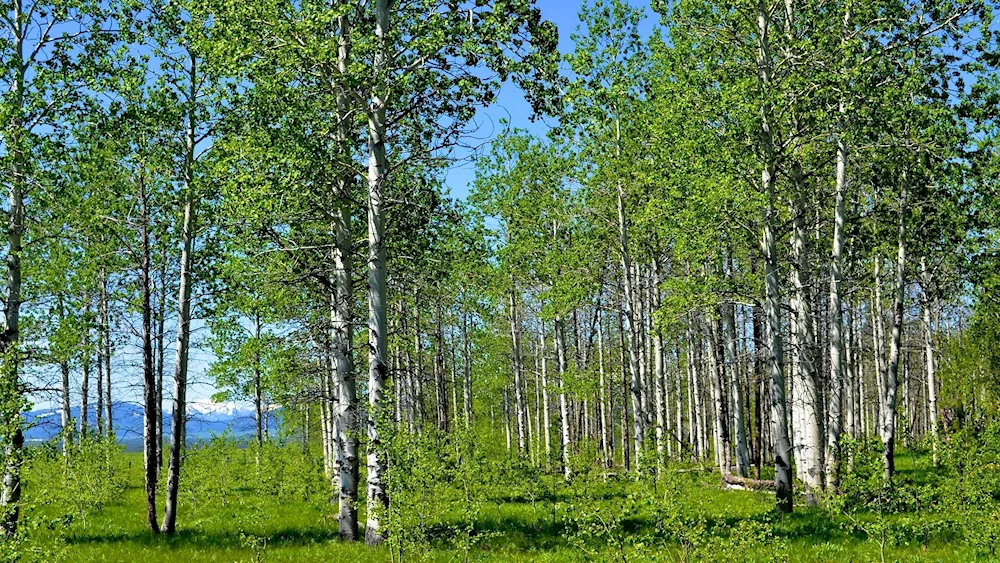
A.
pixel 205 419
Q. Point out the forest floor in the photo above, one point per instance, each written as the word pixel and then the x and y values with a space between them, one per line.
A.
pixel 689 518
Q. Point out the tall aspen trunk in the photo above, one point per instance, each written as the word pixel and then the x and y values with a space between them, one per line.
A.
pixel 440 369
pixel 693 420
pixel 809 387
pixel 736 391
pixel 66 412
pixel 177 431
pixel 418 376
pixel 455 408
pixel 779 415
pixel 546 425
pixel 106 355
pixel 892 370
pixel 258 391
pixel 560 341
pixel 100 376
pixel 161 350
pixel 658 371
pixel 878 336
pixel 835 414
pixel 929 357
pixel 720 420
pixel 623 420
pixel 467 382
pixel 378 498
pixel 628 300
pixel 10 496
pixel 516 358
pixel 602 406
pixel 85 372
pixel 150 468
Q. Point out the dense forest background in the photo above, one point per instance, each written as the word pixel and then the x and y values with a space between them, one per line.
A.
pixel 734 294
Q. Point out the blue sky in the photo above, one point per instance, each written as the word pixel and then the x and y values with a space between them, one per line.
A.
pixel 510 104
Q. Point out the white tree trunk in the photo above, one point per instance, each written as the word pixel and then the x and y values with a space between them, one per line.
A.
pixel 378 498
pixel 658 372
pixel 929 357
pixel 560 341
pixel 810 390
pixel 736 392
pixel 177 434
pixel 606 435
pixel 516 362
pixel 892 370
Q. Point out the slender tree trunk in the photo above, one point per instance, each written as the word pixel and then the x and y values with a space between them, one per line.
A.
pixel 418 376
pixel 602 391
pixel 659 368
pixel 929 356
pixel 177 434
pixel 378 498
pixel 345 378
pixel 100 378
pixel 148 370
pixel 720 420
pixel 66 412
pixel 467 360
pixel 628 300
pixel 10 496
pixel 736 391
pixel 85 372
pixel 560 339
pixel 892 371
pixel 516 358
pixel 161 350
pixel 626 459
pixel 106 347
pixel 545 394
pixel 835 418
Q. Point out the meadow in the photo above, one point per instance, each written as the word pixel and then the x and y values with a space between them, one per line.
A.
pixel 234 509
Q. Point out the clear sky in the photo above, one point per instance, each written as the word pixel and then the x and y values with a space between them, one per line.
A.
pixel 510 104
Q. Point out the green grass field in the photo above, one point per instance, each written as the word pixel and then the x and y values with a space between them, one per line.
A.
pixel 687 518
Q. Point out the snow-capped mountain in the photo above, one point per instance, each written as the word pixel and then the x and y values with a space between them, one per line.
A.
pixel 205 419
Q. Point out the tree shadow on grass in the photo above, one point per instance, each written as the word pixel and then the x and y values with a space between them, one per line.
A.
pixel 202 539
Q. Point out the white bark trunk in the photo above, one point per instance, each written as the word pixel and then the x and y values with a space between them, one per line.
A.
pixel 736 392
pixel 177 434
pixel 519 410
pixel 560 341
pixel 929 357
pixel 378 498
pixel 892 370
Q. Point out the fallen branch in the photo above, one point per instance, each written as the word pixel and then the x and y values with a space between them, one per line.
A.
pixel 737 483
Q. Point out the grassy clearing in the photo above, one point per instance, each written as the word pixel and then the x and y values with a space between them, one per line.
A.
pixel 684 516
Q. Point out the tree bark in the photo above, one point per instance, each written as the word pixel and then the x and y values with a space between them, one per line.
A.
pixel 546 425
pixel 378 498
pixel 736 393
pixel 516 360
pixel 188 234
pixel 106 355
pixel 929 357
pixel 560 339
pixel 809 386
pixel 85 372
pixel 892 371
pixel 150 410
pixel 66 412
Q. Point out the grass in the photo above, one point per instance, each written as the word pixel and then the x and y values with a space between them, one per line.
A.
pixel 687 518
